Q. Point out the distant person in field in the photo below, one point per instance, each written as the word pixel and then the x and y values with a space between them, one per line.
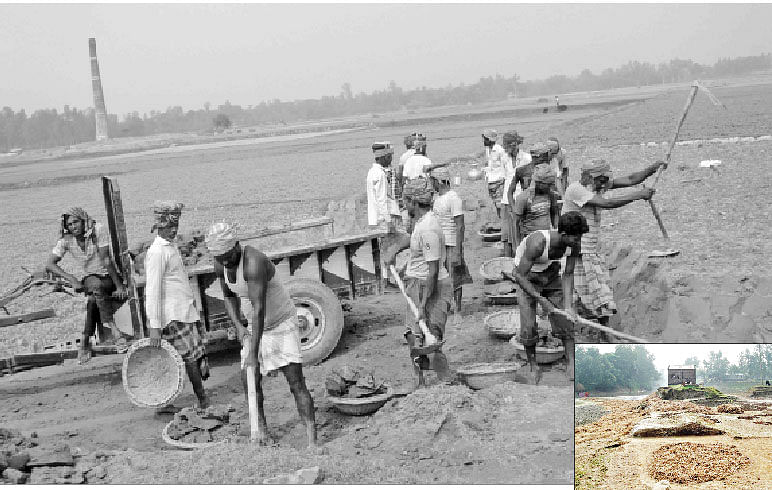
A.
pixel 523 179
pixel 538 264
pixel 419 165
pixel 494 168
pixel 514 159
pixel 427 281
pixel 449 208
pixel 588 196
pixel 537 208
pixel 88 242
pixel 169 302
pixel 558 164
pixel 270 336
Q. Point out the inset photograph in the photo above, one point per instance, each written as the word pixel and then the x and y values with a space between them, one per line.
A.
pixel 673 416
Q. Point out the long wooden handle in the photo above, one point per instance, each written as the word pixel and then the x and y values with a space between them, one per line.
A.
pixel 410 303
pixel 254 427
pixel 679 124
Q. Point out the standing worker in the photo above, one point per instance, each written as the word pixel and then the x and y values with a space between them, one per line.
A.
pixel 515 158
pixel 250 286
pixel 494 168
pixel 419 165
pixel 89 243
pixel 538 263
pixel 524 175
pixel 382 210
pixel 427 282
pixel 449 208
pixel 169 303
pixel 558 164
pixel 588 197
pixel 537 208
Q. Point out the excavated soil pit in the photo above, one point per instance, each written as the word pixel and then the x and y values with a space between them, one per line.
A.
pixel 674 424
pixel 690 463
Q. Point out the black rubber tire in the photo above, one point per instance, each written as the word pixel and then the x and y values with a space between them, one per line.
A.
pixel 320 315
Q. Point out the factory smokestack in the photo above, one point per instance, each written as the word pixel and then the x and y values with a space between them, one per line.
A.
pixel 99 97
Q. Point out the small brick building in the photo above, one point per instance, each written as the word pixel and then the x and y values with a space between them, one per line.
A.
pixel 680 375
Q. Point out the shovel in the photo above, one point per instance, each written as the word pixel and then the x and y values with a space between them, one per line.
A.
pixel 429 339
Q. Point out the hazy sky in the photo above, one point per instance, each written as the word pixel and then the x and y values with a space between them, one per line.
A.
pixel 676 354
pixel 157 55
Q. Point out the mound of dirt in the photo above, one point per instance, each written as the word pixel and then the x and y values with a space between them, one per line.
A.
pixel 729 409
pixel 688 462
pixel 674 424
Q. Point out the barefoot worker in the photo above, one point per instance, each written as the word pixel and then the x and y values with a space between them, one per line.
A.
pixel 494 168
pixel 515 158
pixel 88 242
pixel 169 303
pixel 538 263
pixel 558 164
pixel 523 178
pixel 382 208
pixel 596 301
pixel 450 210
pixel 536 208
pixel 419 165
pixel 250 286
pixel 426 280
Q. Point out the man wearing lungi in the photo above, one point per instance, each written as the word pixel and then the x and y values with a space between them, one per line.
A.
pixel 494 168
pixel 88 242
pixel 450 210
pixel 558 164
pixel 270 329
pixel 538 261
pixel 169 303
pixel 515 158
pixel 427 282
pixel 536 208
pixel 591 284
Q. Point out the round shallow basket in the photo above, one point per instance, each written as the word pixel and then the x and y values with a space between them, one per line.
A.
pixel 360 406
pixel 544 355
pixel 490 237
pixel 153 376
pixel 185 445
pixel 503 324
pixel 491 269
pixel 486 374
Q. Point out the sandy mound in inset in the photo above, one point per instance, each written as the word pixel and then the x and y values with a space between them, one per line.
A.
pixel 689 462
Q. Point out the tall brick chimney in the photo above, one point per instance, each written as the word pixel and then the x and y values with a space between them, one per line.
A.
pixel 99 97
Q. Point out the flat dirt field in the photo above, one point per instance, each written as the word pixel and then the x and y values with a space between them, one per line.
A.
pixel 511 433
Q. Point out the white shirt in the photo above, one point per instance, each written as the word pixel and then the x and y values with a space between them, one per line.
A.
pixel 522 158
pixel 409 153
pixel 427 244
pixel 495 167
pixel 447 207
pixel 168 296
pixel 414 166
pixel 89 259
pixel 377 195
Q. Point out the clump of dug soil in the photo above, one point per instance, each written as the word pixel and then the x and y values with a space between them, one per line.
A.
pixel 729 409
pixel 194 425
pixel 348 382
pixel 689 462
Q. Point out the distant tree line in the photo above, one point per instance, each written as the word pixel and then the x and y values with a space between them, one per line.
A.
pixel 627 368
pixel 753 364
pixel 48 127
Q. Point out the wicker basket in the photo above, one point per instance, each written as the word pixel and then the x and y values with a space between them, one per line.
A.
pixel 483 375
pixel 360 406
pixel 491 268
pixel 185 445
pixel 152 376
pixel 544 355
pixel 503 324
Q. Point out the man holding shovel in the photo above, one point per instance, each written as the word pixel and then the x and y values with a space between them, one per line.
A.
pixel 427 282
pixel 538 272
pixel 588 198
pixel 270 336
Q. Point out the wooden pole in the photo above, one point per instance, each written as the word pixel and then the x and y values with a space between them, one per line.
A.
pixel 120 248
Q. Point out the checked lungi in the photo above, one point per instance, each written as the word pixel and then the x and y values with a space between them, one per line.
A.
pixel 186 339
pixel 591 285
pixel 496 191
pixel 437 306
pixel 279 346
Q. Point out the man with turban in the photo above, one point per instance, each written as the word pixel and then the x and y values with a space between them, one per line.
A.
pixel 558 164
pixel 269 335
pixel 398 180
pixel 494 168
pixel 380 200
pixel 588 196
pixel 419 165
pixel 88 242
pixel 450 210
pixel 427 281
pixel 536 208
pixel 523 180
pixel 515 158
pixel 169 302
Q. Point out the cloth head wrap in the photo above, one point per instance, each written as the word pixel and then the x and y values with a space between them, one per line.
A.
pixel 419 190
pixel 538 150
pixel 79 213
pixel 441 174
pixel 543 173
pixel 553 145
pixel 596 168
pixel 491 134
pixel 221 238
pixel 511 137
pixel 419 141
pixel 382 148
pixel 166 213
pixel 409 140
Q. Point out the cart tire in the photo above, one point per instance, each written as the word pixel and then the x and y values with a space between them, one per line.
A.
pixel 320 318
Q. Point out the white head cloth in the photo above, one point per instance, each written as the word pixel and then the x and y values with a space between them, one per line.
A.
pixel 220 238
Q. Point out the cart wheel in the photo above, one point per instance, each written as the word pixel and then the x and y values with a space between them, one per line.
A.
pixel 320 318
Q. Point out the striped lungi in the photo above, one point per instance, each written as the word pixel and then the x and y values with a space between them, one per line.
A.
pixel 496 191
pixel 186 339
pixel 592 286
pixel 437 306
pixel 280 346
